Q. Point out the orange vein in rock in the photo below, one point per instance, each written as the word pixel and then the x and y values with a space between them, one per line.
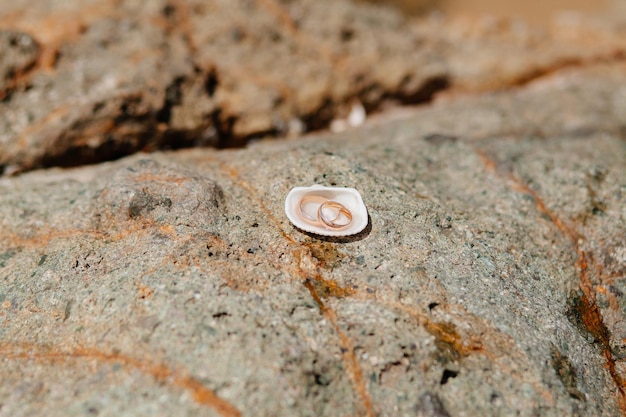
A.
pixel 591 314
pixel 347 351
pixel 352 364
pixel 161 373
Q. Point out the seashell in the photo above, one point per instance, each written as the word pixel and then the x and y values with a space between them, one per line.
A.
pixel 327 211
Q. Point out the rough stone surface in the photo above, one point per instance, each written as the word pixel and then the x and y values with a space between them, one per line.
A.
pixel 117 77
pixel 18 52
pixel 123 76
pixel 490 281
pixel 493 53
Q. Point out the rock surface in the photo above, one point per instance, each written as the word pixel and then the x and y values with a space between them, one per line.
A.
pixel 122 76
pixel 489 282
pixel 18 53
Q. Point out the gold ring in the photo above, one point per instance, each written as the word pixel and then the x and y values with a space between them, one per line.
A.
pixel 311 199
pixel 342 219
pixel 341 213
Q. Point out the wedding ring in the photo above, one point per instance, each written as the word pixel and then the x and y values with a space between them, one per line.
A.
pixel 326 211
pixel 342 219
pixel 342 216
pixel 311 199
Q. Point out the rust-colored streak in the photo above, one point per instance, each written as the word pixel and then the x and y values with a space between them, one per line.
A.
pixel 161 373
pixel 329 288
pixel 446 334
pixel 520 186
pixel 44 26
pixel 614 55
pixel 43 123
pixel 234 175
pixel 490 164
pixel 18 78
pixel 318 300
pixel 347 349
pixel 205 396
pixel 308 270
pixel 311 280
pixel 43 236
pixel 590 312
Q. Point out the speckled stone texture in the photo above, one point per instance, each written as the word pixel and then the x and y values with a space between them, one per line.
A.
pixel 89 81
pixel 490 281
pixel 121 76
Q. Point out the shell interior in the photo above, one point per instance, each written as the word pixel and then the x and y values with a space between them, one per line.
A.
pixel 348 197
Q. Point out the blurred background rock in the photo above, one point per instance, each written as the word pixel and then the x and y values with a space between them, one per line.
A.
pixel 538 12
pixel 168 75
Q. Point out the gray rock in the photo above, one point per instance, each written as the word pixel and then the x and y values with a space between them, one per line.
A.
pixel 489 281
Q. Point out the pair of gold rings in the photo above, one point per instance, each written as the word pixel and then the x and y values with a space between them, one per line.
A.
pixel 330 214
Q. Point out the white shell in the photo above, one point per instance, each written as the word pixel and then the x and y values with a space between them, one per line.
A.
pixel 348 197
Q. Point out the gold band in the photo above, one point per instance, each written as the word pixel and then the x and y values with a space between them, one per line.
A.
pixel 311 199
pixel 341 210
pixel 342 219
